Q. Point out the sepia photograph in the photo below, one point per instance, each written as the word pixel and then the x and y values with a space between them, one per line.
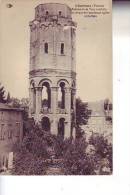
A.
pixel 56 104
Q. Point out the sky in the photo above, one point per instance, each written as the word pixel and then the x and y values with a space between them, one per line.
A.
pixel 93 50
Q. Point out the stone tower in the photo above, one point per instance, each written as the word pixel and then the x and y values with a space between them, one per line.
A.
pixel 52 72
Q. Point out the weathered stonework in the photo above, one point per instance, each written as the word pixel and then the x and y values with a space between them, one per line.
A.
pixel 52 66
pixel 11 131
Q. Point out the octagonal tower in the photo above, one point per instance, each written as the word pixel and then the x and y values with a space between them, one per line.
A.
pixel 52 72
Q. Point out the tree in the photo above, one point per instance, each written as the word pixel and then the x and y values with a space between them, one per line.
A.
pixel 2 94
pixel 8 100
pixel 75 161
pixel 79 162
pixel 103 151
pixel 82 112
pixel 30 156
pixel 24 102
pixel 82 116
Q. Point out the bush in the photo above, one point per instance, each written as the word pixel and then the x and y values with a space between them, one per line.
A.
pixel 38 146
pixel 103 151
pixel 29 157
pixel 26 163
pixel 78 162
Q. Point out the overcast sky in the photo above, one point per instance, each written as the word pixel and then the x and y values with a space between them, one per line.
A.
pixel 93 45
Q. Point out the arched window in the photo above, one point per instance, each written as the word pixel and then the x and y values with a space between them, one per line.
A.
pixel 61 96
pixel 46 47
pixel 62 48
pixel 46 95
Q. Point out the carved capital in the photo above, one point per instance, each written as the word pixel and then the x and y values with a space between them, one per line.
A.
pixel 38 89
pixel 73 91
pixel 67 90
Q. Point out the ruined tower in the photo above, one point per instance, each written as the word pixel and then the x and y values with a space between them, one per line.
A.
pixel 52 74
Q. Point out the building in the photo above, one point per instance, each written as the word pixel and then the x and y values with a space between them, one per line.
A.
pixel 100 120
pixel 11 130
pixel 52 73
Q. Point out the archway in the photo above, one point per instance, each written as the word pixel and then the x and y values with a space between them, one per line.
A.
pixel 46 95
pixel 61 127
pixel 61 95
pixel 45 124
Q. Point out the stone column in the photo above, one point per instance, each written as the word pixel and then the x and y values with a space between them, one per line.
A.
pixel 68 100
pixel 67 132
pixel 38 100
pixel 54 99
pixel 68 110
pixel 31 101
pixel 54 126
pixel 74 112
pixel 54 106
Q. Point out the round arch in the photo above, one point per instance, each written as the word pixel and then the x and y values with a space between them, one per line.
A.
pixel 63 81
pixel 41 83
pixel 73 84
pixel 46 94
pixel 32 83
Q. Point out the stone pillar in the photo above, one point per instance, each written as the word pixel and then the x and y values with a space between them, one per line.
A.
pixel 38 101
pixel 54 106
pixel 54 99
pixel 74 113
pixel 67 132
pixel 54 126
pixel 32 101
pixel 68 100
pixel 68 110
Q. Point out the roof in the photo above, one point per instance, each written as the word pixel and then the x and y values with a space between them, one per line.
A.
pixel 9 108
pixel 97 108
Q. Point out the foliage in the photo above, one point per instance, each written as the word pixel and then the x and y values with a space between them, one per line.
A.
pixel 2 94
pixel 38 146
pixel 103 149
pixel 19 103
pixel 24 102
pixel 61 145
pixel 78 162
pixel 82 116
pixel 26 163
pixel 15 102
pixel 82 113
pixel 31 154
pixel 75 157
pixel 8 98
